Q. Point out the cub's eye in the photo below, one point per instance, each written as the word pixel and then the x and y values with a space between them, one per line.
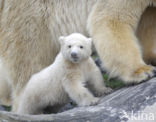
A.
pixel 69 46
pixel 81 47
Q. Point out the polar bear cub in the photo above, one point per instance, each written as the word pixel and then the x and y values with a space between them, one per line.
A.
pixel 65 78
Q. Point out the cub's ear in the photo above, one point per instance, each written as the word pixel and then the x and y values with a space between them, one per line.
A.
pixel 90 41
pixel 61 40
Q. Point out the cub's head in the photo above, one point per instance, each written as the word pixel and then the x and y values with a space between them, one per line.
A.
pixel 75 47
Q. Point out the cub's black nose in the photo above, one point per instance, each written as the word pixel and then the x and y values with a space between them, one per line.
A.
pixel 74 55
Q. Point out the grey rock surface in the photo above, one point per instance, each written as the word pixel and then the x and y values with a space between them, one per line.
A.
pixel 131 104
pixel 1 108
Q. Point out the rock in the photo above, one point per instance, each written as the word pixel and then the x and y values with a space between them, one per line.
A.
pixel 1 108
pixel 127 104
pixel 67 107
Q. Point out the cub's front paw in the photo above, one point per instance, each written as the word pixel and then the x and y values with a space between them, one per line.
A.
pixel 103 91
pixel 107 90
pixel 89 101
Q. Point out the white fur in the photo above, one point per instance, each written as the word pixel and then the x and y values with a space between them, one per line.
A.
pixel 5 86
pixel 65 77
pixel 29 31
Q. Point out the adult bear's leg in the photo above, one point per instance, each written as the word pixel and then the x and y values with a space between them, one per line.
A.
pixel 146 33
pixel 112 24
pixel 25 42
pixel 5 86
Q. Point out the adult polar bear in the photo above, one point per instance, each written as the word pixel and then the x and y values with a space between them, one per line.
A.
pixel 29 31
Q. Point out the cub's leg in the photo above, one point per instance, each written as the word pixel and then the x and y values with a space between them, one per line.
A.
pixel 76 90
pixel 29 104
pixel 32 100
pixel 96 81
pixel 146 33
pixel 113 31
